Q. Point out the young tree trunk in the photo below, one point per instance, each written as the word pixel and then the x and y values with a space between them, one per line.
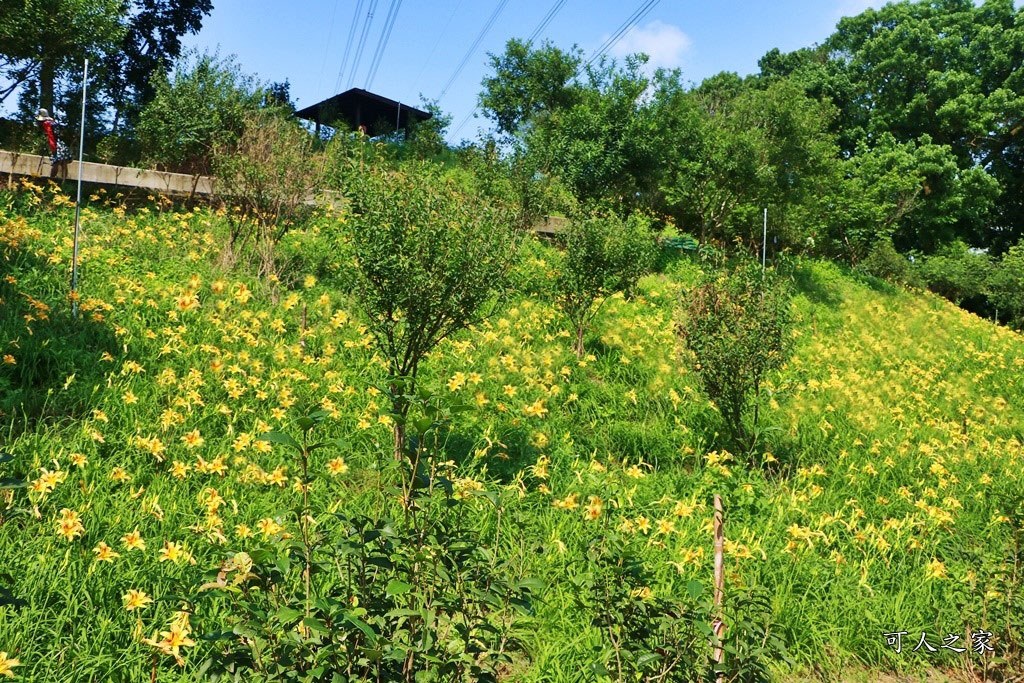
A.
pixel 399 432
pixel 579 340
pixel 47 78
pixel 399 408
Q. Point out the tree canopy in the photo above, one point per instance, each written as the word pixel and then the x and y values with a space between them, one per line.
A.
pixel 904 125
pixel 44 42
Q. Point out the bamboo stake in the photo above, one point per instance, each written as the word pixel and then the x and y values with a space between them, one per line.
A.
pixel 718 626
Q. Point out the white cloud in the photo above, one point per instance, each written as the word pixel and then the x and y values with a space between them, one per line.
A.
pixel 665 44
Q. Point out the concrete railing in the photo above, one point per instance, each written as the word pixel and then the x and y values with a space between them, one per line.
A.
pixel 15 163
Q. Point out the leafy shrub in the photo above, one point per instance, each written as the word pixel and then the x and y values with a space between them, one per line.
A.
pixel 737 326
pixel 428 255
pixel 643 637
pixel 269 173
pixel 751 640
pixel 1006 286
pixel 602 256
pixel 653 638
pixel 884 262
pixel 419 597
pixel 200 108
pixel 959 274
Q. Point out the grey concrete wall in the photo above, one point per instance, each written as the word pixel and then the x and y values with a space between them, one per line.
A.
pixel 158 181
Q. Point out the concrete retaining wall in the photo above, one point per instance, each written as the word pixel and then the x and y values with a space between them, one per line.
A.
pixel 15 163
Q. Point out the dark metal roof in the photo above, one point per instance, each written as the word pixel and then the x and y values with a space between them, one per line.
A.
pixel 356 107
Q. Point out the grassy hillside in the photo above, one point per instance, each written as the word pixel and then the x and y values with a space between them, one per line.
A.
pixel 885 501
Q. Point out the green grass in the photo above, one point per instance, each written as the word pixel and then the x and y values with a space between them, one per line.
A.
pixel 898 427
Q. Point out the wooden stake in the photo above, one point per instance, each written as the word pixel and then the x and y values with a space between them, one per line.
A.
pixel 718 626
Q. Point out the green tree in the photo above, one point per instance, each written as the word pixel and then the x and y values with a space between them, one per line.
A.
pixel 43 44
pixel 738 149
pixel 428 252
pixel 737 327
pixel 946 71
pixel 151 42
pixel 958 273
pixel 528 83
pixel 603 256
pixel 1006 286
pixel 202 107
pixel 588 126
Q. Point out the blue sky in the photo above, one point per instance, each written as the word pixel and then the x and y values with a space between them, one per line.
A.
pixel 305 42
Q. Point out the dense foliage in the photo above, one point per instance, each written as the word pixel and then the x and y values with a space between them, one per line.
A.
pixel 603 256
pixel 44 42
pixel 367 446
pixel 141 480
pixel 737 326
pixel 199 109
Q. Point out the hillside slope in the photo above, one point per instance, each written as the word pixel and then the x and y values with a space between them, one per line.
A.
pixel 884 504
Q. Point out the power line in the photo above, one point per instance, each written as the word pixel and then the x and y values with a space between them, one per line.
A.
pixel 362 42
pixel 464 121
pixel 348 45
pixel 555 9
pixel 474 46
pixel 382 43
pixel 437 42
pixel 633 20
pixel 327 47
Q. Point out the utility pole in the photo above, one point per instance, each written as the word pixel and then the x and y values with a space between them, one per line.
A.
pixel 78 200
pixel 764 242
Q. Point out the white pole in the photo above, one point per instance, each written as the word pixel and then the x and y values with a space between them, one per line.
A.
pixel 764 242
pixel 78 201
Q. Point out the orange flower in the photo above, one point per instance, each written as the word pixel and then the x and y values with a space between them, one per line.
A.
pixel 135 599
pixel 133 540
pixel 104 553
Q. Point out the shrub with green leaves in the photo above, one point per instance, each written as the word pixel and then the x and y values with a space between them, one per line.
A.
pixel 958 273
pixel 603 255
pixel 883 261
pixel 421 596
pixel 644 637
pixel 428 254
pixel 737 326
pixel 269 173
pixel 1006 286
pixel 201 107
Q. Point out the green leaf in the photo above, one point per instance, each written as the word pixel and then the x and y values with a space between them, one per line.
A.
pixel 288 614
pixel 281 438
pixel 362 626
pixel 396 587
pixel 532 585
pixel 646 659
pixel 315 624
pixel 694 589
